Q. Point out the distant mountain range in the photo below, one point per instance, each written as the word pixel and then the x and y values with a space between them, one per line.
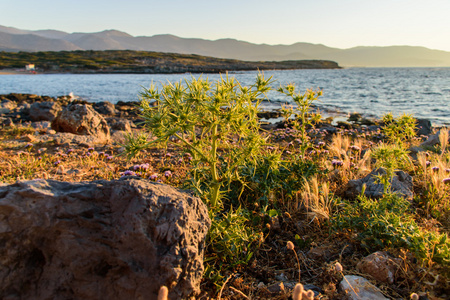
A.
pixel 14 40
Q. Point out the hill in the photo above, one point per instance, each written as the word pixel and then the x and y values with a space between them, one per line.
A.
pixel 128 61
pixel 13 39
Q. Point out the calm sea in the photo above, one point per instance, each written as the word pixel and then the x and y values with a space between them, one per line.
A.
pixel 423 92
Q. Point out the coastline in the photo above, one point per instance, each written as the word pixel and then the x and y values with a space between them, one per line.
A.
pixel 14 72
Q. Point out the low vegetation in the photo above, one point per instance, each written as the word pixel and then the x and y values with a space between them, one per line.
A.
pixel 127 61
pixel 273 192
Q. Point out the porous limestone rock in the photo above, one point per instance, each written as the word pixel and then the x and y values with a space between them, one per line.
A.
pixel 120 239
pixel 401 184
pixel 82 119
pixel 44 111
pixel 380 266
pixel 105 108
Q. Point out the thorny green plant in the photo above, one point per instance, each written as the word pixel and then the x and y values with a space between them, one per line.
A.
pixel 399 130
pixel 390 157
pixel 300 116
pixel 217 124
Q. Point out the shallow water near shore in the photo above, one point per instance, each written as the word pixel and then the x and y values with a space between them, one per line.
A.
pixel 373 92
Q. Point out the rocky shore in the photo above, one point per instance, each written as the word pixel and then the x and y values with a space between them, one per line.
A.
pixel 21 108
pixel 166 227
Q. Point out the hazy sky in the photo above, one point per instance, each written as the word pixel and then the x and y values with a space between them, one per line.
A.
pixel 335 23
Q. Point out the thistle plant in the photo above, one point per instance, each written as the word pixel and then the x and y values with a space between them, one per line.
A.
pixel 390 157
pixel 216 123
pixel 399 130
pixel 300 116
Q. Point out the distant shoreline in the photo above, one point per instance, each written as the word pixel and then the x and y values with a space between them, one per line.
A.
pixel 13 72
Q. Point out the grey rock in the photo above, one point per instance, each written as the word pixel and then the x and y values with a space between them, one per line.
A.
pixel 118 136
pixel 120 239
pixel 329 129
pixel 24 109
pixel 363 288
pixel 105 108
pixel 4 111
pixel 413 151
pixel 44 111
pixel 82 119
pixel 401 184
pixel 41 125
pixel 276 288
pixel 281 277
pixel 423 127
pixel 8 104
pixel 7 122
pixel 120 124
pixel 432 140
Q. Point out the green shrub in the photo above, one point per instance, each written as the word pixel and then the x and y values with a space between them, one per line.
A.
pixel 216 123
pixel 300 116
pixel 273 178
pixel 399 130
pixel 390 157
pixel 388 223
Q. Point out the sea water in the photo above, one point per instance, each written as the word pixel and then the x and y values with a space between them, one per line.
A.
pixel 373 92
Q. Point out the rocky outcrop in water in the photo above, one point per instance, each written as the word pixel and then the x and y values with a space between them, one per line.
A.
pixel 120 239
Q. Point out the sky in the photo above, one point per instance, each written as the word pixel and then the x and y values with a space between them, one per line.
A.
pixel 335 23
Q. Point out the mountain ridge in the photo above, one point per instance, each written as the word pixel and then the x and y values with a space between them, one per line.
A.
pixel 14 39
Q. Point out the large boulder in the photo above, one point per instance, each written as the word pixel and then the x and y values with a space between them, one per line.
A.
pixel 82 119
pixel 44 111
pixel 120 239
pixel 401 183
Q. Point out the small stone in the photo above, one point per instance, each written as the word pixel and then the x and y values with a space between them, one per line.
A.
pixel 276 288
pixel 121 150
pixel 61 170
pixel 363 288
pixel 8 122
pixel 118 136
pixel 380 266
pixel 29 138
pixel 432 140
pixel 319 253
pixel 281 277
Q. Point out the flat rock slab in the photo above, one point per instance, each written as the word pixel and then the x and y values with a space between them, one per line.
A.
pixel 363 288
pixel 120 239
